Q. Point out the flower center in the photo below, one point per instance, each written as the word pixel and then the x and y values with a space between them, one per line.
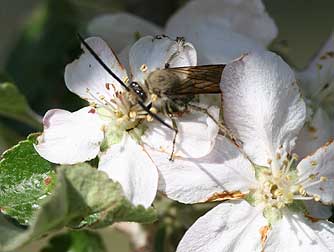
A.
pixel 275 191
pixel 122 109
pixel 278 188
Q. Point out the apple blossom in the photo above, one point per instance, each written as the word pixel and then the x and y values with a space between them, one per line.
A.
pixel 278 200
pixel 115 127
pixel 317 82
pixel 221 30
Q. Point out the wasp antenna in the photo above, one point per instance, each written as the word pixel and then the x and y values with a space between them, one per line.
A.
pixel 93 53
pixel 155 116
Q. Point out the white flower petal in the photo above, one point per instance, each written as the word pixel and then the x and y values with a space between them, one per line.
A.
pixel 244 17
pixel 314 134
pixel 262 105
pixel 318 173
pixel 70 138
pixel 127 163
pixel 229 227
pixel 234 27
pixel 156 52
pixel 320 71
pixel 318 210
pixel 121 29
pixel 224 44
pixel 88 79
pixel 295 233
pixel 196 136
pixel 192 180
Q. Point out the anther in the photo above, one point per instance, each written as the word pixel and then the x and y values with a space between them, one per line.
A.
pixel 125 79
pixel 278 192
pixel 295 156
pixel 132 114
pixel 302 191
pixel 312 177
pixel 316 197
pixel 323 179
pixel 154 97
pixel 153 110
pixel 149 118
pixel 314 163
pixel 280 205
pixel 143 68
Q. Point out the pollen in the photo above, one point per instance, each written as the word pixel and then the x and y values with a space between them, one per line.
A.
pixel 143 68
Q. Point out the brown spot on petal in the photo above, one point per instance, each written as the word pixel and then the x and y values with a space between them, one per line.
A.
pixel 312 129
pixel 264 234
pixel 117 59
pixel 225 196
pixel 329 142
pixel 312 219
pixel 92 111
pixel 107 86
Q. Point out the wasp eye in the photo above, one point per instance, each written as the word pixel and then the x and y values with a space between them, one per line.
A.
pixel 138 90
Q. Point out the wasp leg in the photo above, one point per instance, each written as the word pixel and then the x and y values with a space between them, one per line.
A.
pixel 226 132
pixel 181 41
pixel 171 158
pixel 169 112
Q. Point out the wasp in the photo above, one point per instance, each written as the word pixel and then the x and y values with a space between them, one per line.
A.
pixel 171 91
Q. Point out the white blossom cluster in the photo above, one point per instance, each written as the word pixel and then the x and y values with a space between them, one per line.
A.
pixel 277 187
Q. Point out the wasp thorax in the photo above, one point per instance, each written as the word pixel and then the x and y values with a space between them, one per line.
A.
pixel 159 82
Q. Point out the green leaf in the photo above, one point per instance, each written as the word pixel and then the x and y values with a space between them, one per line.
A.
pixel 76 241
pixel 14 105
pixel 25 180
pixel 81 191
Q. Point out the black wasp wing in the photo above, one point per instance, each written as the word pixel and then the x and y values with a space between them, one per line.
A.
pixel 197 79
